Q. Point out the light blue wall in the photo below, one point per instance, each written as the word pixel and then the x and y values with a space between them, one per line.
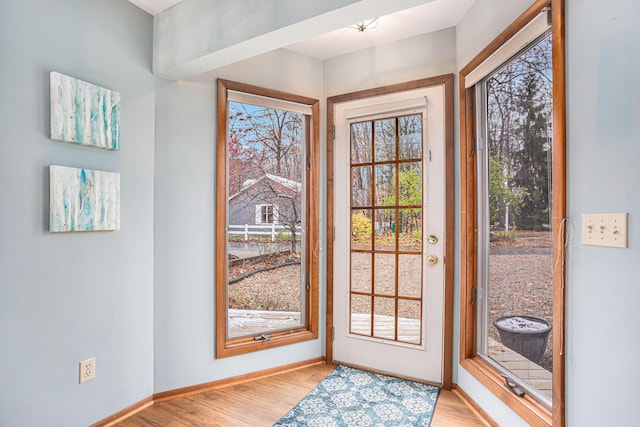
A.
pixel 185 223
pixel 66 297
pixel 603 150
pixel 414 58
pixel 603 289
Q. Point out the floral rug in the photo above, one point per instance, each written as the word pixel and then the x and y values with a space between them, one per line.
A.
pixel 349 397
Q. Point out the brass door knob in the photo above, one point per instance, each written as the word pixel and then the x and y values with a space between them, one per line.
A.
pixel 433 239
pixel 432 259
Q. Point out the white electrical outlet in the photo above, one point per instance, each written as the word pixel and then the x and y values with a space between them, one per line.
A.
pixel 87 370
pixel 605 229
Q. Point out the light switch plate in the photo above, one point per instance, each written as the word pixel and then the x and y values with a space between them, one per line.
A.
pixel 605 229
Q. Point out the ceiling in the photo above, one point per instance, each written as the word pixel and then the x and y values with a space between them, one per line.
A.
pixel 432 16
pixel 154 6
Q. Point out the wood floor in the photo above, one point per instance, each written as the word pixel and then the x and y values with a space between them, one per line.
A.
pixel 262 402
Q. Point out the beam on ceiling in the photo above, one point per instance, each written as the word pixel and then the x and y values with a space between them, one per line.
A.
pixel 197 36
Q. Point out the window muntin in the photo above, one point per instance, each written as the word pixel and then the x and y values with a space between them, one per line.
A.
pixel 266 180
pixel 386 228
pixel 266 214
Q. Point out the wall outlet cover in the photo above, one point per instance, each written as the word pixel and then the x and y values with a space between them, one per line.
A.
pixel 87 370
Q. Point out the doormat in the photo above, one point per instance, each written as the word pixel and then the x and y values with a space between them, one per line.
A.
pixel 349 397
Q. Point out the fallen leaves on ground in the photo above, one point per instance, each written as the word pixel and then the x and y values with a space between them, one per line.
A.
pixel 520 276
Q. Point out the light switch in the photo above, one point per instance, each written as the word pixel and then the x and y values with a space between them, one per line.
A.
pixel 605 229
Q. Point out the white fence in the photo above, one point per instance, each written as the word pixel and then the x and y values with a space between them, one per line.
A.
pixel 260 230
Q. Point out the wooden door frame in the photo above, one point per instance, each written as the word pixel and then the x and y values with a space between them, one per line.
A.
pixel 447 81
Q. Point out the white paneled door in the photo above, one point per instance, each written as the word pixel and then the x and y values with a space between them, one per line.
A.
pixel 389 233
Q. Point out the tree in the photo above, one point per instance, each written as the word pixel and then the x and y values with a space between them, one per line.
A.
pixel 409 194
pixel 269 137
pixel 361 227
pixel 502 197
pixel 532 161
pixel 289 215
pixel 265 144
pixel 518 112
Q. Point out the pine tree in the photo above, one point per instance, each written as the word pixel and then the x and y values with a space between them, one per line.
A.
pixel 532 160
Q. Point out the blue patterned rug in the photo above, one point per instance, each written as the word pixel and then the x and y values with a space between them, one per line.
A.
pixel 349 397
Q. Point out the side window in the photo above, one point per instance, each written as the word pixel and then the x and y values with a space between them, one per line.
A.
pixel 266 219
pixel 513 208
pixel 515 316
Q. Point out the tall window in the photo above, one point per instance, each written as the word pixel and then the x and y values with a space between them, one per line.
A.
pixel 515 285
pixel 513 208
pixel 266 275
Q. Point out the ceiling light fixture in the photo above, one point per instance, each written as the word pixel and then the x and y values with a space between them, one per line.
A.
pixel 365 25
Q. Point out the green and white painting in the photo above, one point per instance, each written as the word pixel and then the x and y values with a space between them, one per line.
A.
pixel 83 199
pixel 84 113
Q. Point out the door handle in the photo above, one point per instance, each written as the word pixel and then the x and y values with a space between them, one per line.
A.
pixel 432 259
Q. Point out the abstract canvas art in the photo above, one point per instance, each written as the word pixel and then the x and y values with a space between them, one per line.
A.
pixel 84 113
pixel 83 199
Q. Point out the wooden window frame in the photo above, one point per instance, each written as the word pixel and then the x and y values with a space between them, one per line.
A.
pixel 226 347
pixel 529 409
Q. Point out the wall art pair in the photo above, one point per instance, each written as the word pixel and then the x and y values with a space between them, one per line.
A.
pixel 89 115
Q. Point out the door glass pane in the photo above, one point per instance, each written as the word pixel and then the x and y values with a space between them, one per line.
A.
pixel 519 299
pixel 384 228
pixel 410 137
pixel 384 280
pixel 265 215
pixel 409 321
pixel 361 230
pixel 361 314
pixel 361 148
pixel 410 230
pixel 385 140
pixel 384 319
pixel 385 187
pixel 410 276
pixel 361 268
pixel 410 183
pixel 361 186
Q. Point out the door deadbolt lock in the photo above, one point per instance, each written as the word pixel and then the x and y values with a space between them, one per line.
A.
pixel 433 239
pixel 432 259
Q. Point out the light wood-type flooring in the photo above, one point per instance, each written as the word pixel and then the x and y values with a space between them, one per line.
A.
pixel 262 402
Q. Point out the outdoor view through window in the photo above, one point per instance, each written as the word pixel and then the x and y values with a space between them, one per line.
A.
pixel 516 296
pixel 265 216
pixel 386 228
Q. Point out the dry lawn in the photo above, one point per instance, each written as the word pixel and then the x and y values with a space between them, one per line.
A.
pixel 520 277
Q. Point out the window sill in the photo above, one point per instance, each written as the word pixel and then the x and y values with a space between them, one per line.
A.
pixel 248 344
pixel 529 409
